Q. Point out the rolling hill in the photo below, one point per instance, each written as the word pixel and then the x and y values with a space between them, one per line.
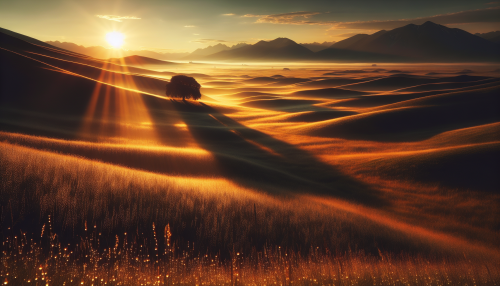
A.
pixel 104 53
pixel 31 40
pixel 139 61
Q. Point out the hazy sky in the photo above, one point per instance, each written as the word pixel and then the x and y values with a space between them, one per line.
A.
pixel 175 26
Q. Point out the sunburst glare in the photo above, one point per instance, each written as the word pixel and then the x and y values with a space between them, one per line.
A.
pixel 115 39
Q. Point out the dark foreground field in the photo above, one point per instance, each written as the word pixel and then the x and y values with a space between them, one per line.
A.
pixel 317 175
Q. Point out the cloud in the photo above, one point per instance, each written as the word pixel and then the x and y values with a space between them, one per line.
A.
pixel 189 26
pixel 488 15
pixel 208 41
pixel 253 15
pixel 117 18
pixel 293 18
pixel 228 14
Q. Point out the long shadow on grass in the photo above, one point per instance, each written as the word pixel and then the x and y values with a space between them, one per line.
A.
pixel 256 160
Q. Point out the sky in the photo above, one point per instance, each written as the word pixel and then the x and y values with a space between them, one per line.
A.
pixel 183 26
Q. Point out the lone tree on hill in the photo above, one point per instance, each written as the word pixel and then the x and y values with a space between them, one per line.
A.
pixel 183 86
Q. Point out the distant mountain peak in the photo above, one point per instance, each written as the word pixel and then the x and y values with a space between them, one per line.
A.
pixel 490 36
pixel 316 47
pixel 431 24
pixel 219 45
pixel 278 40
pixel 279 48
pixel 239 45
pixel 283 40
pixel 426 25
pixel 277 43
pixel 378 33
pixel 426 42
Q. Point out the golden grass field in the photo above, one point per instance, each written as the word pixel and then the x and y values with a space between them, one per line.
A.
pixel 316 175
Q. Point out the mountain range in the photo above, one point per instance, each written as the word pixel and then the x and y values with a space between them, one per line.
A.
pixel 203 52
pixel 428 42
pixel 316 47
pixel 277 49
pixel 491 36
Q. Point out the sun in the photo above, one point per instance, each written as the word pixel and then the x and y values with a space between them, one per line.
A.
pixel 115 39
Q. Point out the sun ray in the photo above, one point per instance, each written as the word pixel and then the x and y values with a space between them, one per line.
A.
pixel 116 109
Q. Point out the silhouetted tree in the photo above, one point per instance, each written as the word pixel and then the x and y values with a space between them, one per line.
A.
pixel 183 86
